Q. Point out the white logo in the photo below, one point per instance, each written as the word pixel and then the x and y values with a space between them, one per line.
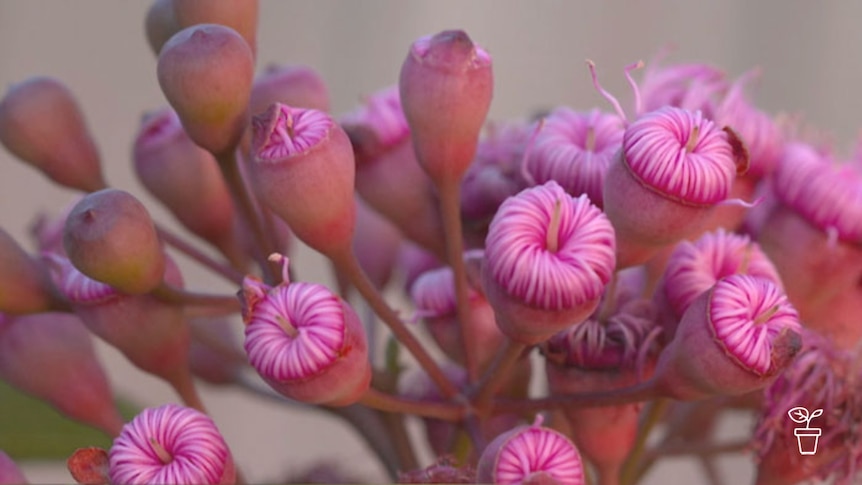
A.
pixel 806 437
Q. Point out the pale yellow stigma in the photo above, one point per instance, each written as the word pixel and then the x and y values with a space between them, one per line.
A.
pixel 287 326
pixel 692 139
pixel 161 452
pixel 553 236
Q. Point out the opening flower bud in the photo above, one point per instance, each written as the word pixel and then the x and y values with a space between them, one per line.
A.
pixel 41 123
pixel 732 340
pixel 547 260
pixel 110 237
pixel 531 454
pixel 205 72
pixel 303 170
pixel 675 165
pixel 304 341
pixel 171 444
pixel 576 149
pixel 446 86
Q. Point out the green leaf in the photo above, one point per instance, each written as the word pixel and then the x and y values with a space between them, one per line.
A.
pixel 32 429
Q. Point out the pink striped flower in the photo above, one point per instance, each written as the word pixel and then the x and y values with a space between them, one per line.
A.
pixel 547 260
pixel 531 454
pixel 575 149
pixel 171 444
pixel 304 341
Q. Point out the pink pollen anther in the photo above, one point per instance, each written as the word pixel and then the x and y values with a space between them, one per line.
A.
pixel 692 139
pixel 590 144
pixel 288 327
pixel 160 451
pixel 765 316
pixel 553 237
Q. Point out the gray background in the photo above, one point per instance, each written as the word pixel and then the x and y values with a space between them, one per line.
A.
pixel 809 52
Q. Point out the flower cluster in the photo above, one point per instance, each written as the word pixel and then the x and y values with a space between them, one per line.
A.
pixel 696 255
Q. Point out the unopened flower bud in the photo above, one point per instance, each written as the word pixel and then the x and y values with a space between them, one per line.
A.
pixel 160 24
pixel 24 283
pixel 239 15
pixel 110 237
pixel 41 123
pixel 51 356
pixel 446 86
pixel 205 72
pixel 185 178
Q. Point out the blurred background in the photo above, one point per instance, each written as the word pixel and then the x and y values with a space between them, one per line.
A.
pixel 809 53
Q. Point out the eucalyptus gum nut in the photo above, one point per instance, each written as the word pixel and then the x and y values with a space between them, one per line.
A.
pixel 24 283
pixel 205 72
pixel 110 237
pixel 643 219
pixel 813 269
pixel 42 124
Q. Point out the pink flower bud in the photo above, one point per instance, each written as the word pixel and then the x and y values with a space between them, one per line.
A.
pixel 161 24
pixel 375 243
pixel 152 334
pixel 531 455
pixel 674 167
pixel 171 444
pixel 548 258
pixel 732 340
pixel 494 176
pixel 303 169
pixel 51 357
pixel 9 472
pixel 388 176
pixel 575 149
pixel 24 283
pixel 305 341
pixel 205 72
pixel 292 85
pixel 812 234
pixel 110 237
pixel 239 15
pixel 694 267
pixel 433 293
pixel 41 123
pixel 414 261
pixel 185 178
pixel 446 86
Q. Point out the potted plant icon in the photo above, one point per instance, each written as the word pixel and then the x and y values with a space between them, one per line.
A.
pixel 806 437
